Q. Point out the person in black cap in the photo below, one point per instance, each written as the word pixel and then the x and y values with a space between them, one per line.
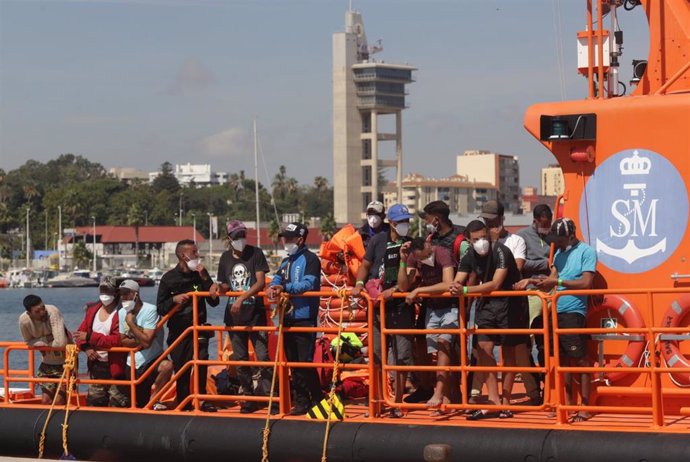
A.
pixel 376 213
pixel 442 231
pixel 299 272
pixel 574 266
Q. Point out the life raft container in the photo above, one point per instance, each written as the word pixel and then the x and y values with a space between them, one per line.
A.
pixel 614 305
pixel 672 355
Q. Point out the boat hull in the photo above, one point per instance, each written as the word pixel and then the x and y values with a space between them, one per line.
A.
pixel 106 436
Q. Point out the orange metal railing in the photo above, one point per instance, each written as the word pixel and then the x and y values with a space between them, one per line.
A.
pixel 554 390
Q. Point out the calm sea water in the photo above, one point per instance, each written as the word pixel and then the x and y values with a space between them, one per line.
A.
pixel 71 303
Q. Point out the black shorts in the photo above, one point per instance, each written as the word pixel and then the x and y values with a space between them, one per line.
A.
pixel 143 390
pixel 572 345
pixel 492 314
pixel 518 318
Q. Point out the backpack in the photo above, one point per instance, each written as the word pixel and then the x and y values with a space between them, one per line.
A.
pixel 322 354
pixel 456 245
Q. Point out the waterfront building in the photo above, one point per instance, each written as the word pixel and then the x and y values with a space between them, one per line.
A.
pixel 366 94
pixel 464 197
pixel 552 183
pixel 197 175
pixel 499 170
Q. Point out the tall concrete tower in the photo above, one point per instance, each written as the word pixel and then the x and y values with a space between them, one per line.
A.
pixel 363 91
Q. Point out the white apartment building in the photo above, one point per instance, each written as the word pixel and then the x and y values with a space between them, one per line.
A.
pixel 552 183
pixel 463 196
pixel 501 171
pixel 198 175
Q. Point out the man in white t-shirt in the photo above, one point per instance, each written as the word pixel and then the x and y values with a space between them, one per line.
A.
pixel 138 321
pixel 516 347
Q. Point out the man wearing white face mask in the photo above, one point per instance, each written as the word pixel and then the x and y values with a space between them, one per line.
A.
pixel 300 272
pixel 100 330
pixel 436 268
pixel 381 262
pixel 374 224
pixel 495 268
pixel 138 321
pixel 243 268
pixel 188 276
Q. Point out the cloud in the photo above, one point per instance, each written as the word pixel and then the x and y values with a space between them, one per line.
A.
pixel 232 142
pixel 191 76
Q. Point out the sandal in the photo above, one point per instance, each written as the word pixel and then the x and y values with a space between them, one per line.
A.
pixel 159 407
pixel 580 417
pixel 505 414
pixel 480 415
pixel 396 413
pixel 208 407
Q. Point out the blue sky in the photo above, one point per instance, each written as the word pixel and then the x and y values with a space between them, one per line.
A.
pixel 133 83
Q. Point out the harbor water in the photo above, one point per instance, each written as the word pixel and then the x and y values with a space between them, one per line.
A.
pixel 71 303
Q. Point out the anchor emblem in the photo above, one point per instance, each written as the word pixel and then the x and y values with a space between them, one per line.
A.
pixel 636 215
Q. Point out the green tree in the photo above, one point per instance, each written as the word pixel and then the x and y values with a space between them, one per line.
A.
pixel 273 232
pixel 81 256
pixel 166 181
pixel 328 227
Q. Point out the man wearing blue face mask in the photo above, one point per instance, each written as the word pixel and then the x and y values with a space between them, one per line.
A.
pixel 298 273
pixel 243 268
pixel 374 224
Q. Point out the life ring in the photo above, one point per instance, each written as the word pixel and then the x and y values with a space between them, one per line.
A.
pixel 674 358
pixel 618 306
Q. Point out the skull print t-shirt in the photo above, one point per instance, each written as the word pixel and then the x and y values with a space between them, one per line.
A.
pixel 240 275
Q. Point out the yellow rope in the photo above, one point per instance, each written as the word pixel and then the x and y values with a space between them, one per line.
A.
pixel 68 367
pixel 342 293
pixel 283 303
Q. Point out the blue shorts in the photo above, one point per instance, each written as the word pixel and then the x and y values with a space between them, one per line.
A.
pixel 440 318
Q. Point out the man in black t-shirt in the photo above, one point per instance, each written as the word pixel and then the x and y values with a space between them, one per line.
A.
pixel 243 268
pixel 381 262
pixel 495 268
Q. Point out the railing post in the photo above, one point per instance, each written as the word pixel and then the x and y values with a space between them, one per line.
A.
pixel 657 398
pixel 195 357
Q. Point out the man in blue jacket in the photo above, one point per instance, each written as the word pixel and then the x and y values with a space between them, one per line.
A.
pixel 298 273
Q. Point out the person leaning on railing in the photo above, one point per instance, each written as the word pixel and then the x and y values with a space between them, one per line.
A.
pixel 42 325
pixel 243 268
pixel 574 266
pixel 434 267
pixel 99 331
pixel 189 275
pixel 300 272
pixel 138 322
pixel 495 268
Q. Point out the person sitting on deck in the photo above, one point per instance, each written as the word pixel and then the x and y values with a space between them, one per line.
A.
pixel 574 266
pixel 42 325
pixel 138 322
pixel 100 330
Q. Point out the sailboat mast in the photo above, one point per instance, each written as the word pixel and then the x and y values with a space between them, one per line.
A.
pixel 256 186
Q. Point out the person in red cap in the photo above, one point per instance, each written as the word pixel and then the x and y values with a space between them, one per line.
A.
pixel 242 268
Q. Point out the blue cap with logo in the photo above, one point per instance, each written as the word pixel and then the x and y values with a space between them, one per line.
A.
pixel 398 213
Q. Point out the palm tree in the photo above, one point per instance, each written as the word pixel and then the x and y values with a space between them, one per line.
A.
pixel 328 227
pixel 320 183
pixel 273 232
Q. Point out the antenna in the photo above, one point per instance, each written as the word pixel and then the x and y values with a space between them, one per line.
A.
pixel 376 47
